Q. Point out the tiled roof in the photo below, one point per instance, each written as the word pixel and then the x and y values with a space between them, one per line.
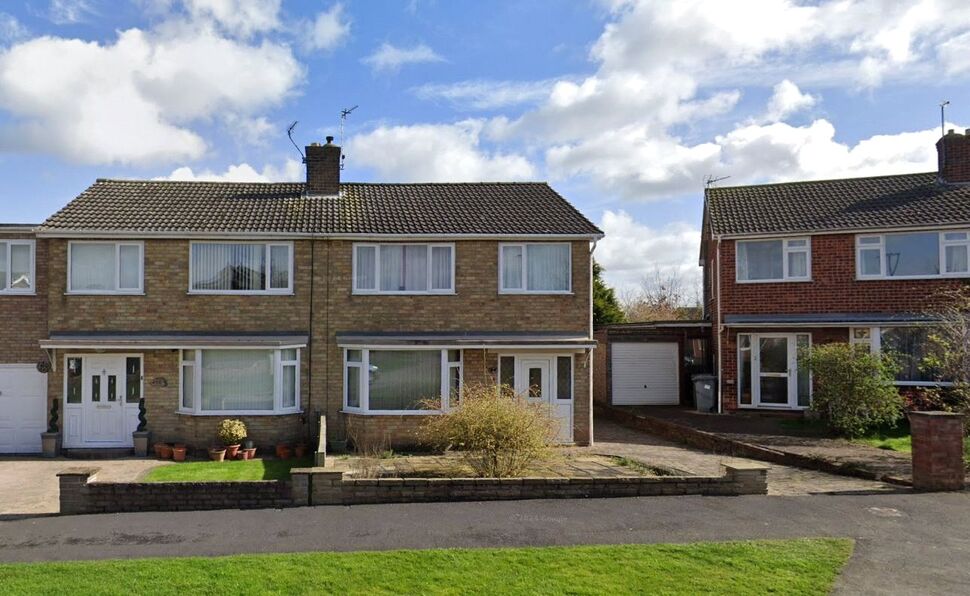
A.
pixel 908 200
pixel 512 208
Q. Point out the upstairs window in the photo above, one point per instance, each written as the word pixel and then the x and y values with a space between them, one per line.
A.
pixel 241 268
pixel 404 269
pixel 105 267
pixel 17 267
pixel 913 254
pixel 787 259
pixel 535 268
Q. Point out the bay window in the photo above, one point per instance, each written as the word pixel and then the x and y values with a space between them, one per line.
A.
pixel 241 268
pixel 17 267
pixel 908 346
pixel 535 268
pixel 401 381
pixel 787 259
pixel 105 267
pixel 404 268
pixel 240 381
pixel 913 254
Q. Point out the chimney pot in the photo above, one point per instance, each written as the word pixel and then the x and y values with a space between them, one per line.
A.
pixel 323 168
pixel 950 132
pixel 329 140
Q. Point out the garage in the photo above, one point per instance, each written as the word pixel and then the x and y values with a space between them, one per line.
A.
pixel 23 408
pixel 649 364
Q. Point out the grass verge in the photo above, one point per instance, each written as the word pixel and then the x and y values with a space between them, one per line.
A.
pixel 217 471
pixel 804 566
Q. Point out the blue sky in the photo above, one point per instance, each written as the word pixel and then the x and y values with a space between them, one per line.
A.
pixel 624 106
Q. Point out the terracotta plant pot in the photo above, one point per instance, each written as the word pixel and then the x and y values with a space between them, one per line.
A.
pixel 300 450
pixel 165 451
pixel 285 452
pixel 249 453
pixel 158 449
pixel 216 454
pixel 178 452
pixel 279 449
pixel 231 451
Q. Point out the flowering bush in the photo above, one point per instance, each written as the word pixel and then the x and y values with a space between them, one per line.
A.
pixel 232 431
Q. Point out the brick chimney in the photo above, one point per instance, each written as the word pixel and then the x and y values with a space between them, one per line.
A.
pixel 323 168
pixel 953 156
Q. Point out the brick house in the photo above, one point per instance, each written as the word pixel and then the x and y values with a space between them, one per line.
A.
pixel 858 260
pixel 279 303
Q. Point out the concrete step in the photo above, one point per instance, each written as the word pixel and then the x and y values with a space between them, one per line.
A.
pixel 109 453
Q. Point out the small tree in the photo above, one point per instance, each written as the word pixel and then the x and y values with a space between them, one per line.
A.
pixel 854 389
pixel 498 432
pixel 606 308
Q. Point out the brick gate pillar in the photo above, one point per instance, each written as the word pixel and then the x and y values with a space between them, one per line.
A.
pixel 937 450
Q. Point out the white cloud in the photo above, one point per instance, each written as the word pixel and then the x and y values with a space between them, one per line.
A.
pixel 290 171
pixel 435 153
pixel 69 12
pixel 786 100
pixel 484 94
pixel 249 131
pixel 134 100
pixel 237 17
pixel 11 29
pixel 389 58
pixel 328 30
pixel 632 252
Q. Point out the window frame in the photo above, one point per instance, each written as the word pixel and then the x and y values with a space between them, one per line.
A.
pixel 267 259
pixel 117 244
pixel 754 339
pixel 364 378
pixel 278 364
pixel 786 250
pixel 874 343
pixel 7 288
pixel 377 291
pixel 525 269
pixel 881 246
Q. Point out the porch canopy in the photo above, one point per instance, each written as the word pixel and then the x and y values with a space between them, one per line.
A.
pixel 829 320
pixel 504 340
pixel 163 340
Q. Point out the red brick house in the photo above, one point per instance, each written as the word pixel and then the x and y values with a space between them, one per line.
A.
pixel 281 303
pixel 856 260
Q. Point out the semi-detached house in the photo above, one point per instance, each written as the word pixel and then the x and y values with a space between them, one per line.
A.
pixel 280 303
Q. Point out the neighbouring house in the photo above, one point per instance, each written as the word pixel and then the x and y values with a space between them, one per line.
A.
pixel 858 260
pixel 280 303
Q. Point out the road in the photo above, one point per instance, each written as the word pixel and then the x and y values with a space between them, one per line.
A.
pixel 906 543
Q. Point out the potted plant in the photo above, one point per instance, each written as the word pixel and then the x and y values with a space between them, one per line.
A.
pixel 51 440
pixel 141 436
pixel 165 451
pixel 285 452
pixel 280 447
pixel 178 451
pixel 248 444
pixel 300 449
pixel 231 433
pixel 217 453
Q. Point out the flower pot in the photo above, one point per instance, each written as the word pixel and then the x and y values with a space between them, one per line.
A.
pixel 178 452
pixel 216 454
pixel 165 451
pixel 158 449
pixel 279 449
pixel 140 439
pixel 249 453
pixel 231 451
pixel 240 455
pixel 51 443
pixel 285 452
pixel 300 450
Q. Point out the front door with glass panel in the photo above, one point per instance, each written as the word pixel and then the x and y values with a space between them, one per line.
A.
pixel 547 380
pixel 535 376
pixel 769 371
pixel 103 399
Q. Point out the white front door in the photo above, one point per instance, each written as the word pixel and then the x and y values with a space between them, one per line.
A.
pixel 100 408
pixel 541 381
pixel 776 380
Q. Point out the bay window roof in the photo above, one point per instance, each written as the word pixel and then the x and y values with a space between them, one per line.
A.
pixel 471 339
pixel 174 340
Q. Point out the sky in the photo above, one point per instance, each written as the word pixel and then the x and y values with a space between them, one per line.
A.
pixel 625 107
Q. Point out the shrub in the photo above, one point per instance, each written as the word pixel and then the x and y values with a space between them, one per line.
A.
pixel 854 389
pixel 232 431
pixel 498 432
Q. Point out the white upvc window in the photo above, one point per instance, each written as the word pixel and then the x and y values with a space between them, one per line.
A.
pixel 404 268
pixel 402 381
pixel 241 268
pixel 105 267
pixel 535 268
pixel 908 345
pixel 17 267
pixel 223 382
pixel 913 255
pixel 779 259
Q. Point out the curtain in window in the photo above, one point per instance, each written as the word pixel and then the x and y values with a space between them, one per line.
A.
pixel 237 380
pixel 400 380
pixel 392 268
pixel 440 267
pixel 512 267
pixel 416 268
pixel 129 265
pixel 228 267
pixel 404 268
pixel 279 267
pixel 548 267
pixel 366 268
pixel 3 266
pixel 760 260
pixel 93 266
pixel 19 267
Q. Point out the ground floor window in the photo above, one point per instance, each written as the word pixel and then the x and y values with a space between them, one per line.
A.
pixel 234 381
pixel 401 381
pixel 771 373
pixel 908 346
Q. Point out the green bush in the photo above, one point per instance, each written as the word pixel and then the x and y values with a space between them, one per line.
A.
pixel 854 390
pixel 231 431
pixel 498 432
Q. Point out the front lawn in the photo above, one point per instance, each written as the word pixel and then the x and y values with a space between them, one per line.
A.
pixel 808 566
pixel 235 470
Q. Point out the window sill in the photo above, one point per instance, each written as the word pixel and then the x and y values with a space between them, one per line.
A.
pixel 135 293
pixel 241 413
pixel 239 293
pixel 523 293
pixel 7 293
pixel 923 384
pixel 773 281
pixel 392 412
pixel 777 408
pixel 360 293
pixel 913 277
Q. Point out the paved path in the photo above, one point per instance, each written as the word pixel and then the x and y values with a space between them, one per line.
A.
pixel 906 543
pixel 28 486
pixel 615 439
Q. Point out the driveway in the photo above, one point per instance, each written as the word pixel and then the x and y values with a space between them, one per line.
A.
pixel 28 485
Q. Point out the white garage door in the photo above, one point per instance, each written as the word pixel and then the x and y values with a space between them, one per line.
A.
pixel 645 374
pixel 23 408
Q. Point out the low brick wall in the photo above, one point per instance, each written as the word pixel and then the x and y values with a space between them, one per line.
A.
pixel 80 493
pixel 327 487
